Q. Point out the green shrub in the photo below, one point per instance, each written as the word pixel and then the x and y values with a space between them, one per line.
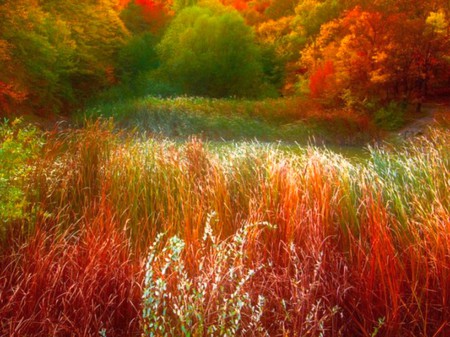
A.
pixel 390 117
pixel 19 148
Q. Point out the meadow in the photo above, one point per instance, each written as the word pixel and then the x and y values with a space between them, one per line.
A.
pixel 107 232
pixel 224 168
pixel 289 119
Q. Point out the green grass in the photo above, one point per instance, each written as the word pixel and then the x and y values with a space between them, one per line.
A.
pixel 284 119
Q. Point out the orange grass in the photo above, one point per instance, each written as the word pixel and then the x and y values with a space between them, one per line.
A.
pixel 345 249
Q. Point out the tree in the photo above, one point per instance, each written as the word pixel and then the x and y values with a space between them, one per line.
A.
pixel 137 57
pixel 179 5
pixel 55 52
pixel 312 14
pixel 97 33
pixel 391 55
pixel 35 62
pixel 211 52
pixel 143 16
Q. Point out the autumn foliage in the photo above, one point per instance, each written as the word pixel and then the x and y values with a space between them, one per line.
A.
pixel 9 97
pixel 321 80
pixel 155 13
pixel 119 233
pixel 380 50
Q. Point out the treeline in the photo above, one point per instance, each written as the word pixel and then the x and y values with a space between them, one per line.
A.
pixel 56 54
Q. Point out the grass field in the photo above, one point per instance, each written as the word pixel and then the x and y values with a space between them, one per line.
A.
pixel 106 232
pixel 282 119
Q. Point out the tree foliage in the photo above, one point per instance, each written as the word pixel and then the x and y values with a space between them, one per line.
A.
pixel 211 52
pixel 387 55
pixel 56 51
pixel 55 54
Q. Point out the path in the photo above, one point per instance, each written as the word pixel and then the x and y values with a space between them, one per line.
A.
pixel 419 126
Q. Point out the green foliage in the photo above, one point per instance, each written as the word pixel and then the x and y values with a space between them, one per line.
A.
pixel 19 148
pixel 137 67
pixel 58 50
pixel 273 68
pixel 137 57
pixel 312 14
pixel 42 56
pixel 211 53
pixel 98 34
pixel 179 5
pixel 390 117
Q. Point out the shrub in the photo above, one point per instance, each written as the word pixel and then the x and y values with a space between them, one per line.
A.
pixel 390 117
pixel 212 299
pixel 19 148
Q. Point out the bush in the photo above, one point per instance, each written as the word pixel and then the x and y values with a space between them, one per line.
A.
pixel 214 302
pixel 19 147
pixel 211 52
pixel 390 117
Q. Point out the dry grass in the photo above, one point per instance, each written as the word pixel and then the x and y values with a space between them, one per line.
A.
pixel 345 250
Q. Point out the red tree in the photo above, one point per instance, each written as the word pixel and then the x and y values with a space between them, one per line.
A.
pixel 321 80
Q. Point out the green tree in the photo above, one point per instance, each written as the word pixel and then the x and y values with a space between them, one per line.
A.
pixel 98 34
pixel 179 5
pixel 137 57
pixel 211 52
pixel 312 14
pixel 37 61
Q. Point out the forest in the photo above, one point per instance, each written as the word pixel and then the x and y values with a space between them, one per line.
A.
pixel 57 55
pixel 225 168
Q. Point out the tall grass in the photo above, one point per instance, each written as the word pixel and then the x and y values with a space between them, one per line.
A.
pixel 250 240
pixel 75 284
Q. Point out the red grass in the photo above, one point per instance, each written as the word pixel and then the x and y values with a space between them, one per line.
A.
pixel 340 262
pixel 71 285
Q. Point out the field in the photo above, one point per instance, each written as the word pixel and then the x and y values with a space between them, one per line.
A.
pixel 222 168
pixel 109 232
pixel 292 119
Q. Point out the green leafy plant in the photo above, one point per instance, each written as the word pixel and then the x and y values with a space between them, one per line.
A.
pixel 211 52
pixel 390 117
pixel 19 148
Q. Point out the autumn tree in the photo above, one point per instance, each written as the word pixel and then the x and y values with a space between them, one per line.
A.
pixel 97 33
pixel 57 52
pixel 143 16
pixel 376 54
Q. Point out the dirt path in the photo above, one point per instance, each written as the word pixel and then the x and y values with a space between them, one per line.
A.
pixel 418 127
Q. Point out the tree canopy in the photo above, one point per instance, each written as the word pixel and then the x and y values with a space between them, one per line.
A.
pixel 56 54
pixel 211 52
